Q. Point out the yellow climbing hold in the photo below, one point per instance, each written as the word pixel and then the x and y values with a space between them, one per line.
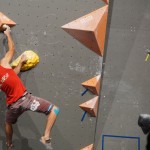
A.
pixel 147 56
pixel 32 60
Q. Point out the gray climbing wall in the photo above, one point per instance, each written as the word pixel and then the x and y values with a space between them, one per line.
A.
pixel 125 87
pixel 64 65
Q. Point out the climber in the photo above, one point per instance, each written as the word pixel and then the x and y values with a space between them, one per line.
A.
pixel 18 100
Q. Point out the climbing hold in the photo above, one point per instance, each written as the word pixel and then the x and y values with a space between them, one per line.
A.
pixel 90 29
pixel 89 147
pixel 5 20
pixel 32 60
pixel 90 106
pixel 93 85
pixel 148 54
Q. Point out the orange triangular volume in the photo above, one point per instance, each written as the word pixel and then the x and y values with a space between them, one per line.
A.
pixel 85 29
pixel 100 31
pixel 5 20
pixel 90 106
pixel 89 147
pixel 106 1
pixel 93 85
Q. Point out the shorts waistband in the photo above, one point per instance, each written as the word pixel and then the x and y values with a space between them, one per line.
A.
pixel 25 93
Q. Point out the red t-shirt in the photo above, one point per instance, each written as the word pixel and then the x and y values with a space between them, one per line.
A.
pixel 11 84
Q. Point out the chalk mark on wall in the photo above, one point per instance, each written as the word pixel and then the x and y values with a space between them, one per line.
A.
pixel 77 67
pixel 33 40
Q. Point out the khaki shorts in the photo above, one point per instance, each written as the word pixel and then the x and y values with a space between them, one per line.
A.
pixel 25 103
